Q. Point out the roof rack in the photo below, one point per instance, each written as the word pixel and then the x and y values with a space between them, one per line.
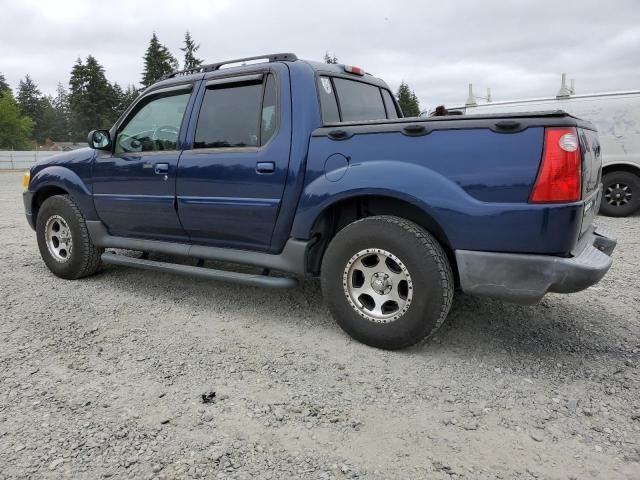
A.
pixel 272 57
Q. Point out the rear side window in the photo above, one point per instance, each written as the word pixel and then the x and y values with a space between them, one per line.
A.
pixel 389 104
pixel 328 102
pixel 359 101
pixel 237 115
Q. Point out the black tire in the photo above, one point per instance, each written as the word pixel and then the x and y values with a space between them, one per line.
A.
pixel 418 253
pixel 621 194
pixel 83 259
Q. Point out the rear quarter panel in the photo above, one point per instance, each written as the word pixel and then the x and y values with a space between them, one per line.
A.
pixel 474 184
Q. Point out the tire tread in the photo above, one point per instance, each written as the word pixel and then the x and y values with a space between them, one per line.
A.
pixel 433 247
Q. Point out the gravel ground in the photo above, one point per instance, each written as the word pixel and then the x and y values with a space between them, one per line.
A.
pixel 104 377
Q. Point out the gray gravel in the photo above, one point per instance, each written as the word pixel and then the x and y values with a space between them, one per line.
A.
pixel 104 377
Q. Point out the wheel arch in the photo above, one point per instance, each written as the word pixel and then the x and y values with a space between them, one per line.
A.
pixel 42 194
pixel 621 167
pixel 58 180
pixel 337 215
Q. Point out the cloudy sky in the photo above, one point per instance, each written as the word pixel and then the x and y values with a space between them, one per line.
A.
pixel 516 47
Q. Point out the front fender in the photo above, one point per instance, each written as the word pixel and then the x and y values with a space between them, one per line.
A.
pixel 65 179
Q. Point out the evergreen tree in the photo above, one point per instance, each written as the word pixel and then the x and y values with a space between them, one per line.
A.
pixel 158 61
pixel 29 98
pixel 123 98
pixel 4 86
pixel 408 101
pixel 59 127
pixel 91 98
pixel 330 59
pixel 118 93
pixel 190 48
pixel 47 123
pixel 129 95
pixel 33 105
pixel 15 129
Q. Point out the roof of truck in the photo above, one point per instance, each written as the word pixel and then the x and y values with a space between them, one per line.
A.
pixel 246 63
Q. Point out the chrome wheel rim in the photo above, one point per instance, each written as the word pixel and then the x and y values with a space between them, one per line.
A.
pixel 618 194
pixel 377 285
pixel 58 238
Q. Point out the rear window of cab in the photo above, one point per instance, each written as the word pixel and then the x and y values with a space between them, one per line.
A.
pixel 344 100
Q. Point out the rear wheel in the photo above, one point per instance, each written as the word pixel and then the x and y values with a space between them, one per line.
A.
pixel 63 239
pixel 621 194
pixel 387 282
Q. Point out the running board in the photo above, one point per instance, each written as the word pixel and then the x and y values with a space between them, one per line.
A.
pixel 201 272
pixel 292 259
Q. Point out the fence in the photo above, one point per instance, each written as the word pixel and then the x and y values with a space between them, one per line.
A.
pixel 15 160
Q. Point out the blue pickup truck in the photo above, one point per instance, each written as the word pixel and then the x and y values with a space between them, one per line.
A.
pixel 308 169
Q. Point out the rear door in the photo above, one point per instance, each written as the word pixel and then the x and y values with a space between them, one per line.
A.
pixel 230 183
pixel 134 185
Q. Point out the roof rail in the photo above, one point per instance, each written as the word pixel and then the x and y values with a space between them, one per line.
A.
pixel 271 57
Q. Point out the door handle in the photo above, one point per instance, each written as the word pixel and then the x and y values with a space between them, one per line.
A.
pixel 265 167
pixel 161 168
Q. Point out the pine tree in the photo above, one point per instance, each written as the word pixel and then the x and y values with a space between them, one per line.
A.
pixel 118 93
pixel 128 97
pixel 330 59
pixel 91 98
pixel 48 122
pixel 15 129
pixel 158 61
pixel 408 101
pixel 4 86
pixel 123 98
pixel 32 105
pixel 61 128
pixel 190 49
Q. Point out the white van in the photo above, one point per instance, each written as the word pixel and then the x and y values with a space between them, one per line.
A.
pixel 617 118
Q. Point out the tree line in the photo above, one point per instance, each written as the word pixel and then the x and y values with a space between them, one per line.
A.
pixel 29 118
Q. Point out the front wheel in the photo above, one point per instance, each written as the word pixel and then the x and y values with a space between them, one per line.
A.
pixel 621 194
pixel 63 239
pixel 387 282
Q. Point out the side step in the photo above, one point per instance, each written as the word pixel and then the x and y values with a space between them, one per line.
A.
pixel 201 272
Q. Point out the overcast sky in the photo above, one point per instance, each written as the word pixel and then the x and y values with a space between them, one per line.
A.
pixel 518 48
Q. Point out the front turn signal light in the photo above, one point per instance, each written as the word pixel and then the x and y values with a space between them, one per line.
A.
pixel 25 180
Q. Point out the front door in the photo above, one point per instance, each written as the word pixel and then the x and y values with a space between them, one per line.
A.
pixel 230 183
pixel 134 186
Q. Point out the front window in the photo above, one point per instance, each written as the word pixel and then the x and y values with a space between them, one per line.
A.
pixel 155 124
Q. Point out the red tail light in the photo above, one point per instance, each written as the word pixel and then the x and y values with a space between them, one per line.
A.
pixel 559 177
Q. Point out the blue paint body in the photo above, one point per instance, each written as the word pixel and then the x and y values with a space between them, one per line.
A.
pixel 473 183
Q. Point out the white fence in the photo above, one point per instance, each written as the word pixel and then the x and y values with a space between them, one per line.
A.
pixel 15 160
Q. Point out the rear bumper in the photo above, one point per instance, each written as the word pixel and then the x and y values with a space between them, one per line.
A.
pixel 525 279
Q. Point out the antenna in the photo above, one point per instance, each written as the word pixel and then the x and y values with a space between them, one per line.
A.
pixel 564 92
pixel 471 100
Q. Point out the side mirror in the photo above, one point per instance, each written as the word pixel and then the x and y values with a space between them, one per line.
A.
pixel 99 139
